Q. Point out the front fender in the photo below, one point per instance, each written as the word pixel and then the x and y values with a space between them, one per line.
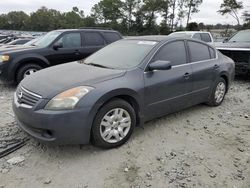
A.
pixel 18 61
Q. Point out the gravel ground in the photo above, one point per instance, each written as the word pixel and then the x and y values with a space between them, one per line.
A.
pixel 198 147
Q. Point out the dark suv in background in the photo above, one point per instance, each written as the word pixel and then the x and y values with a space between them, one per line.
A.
pixel 56 47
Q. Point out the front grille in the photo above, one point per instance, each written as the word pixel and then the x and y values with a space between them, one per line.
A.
pixel 26 97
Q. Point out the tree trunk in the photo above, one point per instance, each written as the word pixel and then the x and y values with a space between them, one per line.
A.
pixel 172 19
pixel 189 12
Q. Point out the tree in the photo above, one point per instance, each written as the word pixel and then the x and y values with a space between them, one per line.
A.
pixel 150 9
pixel 246 16
pixel 45 19
pixel 17 20
pixel 173 4
pixel 192 7
pixel 72 19
pixel 129 8
pixel 3 21
pixel 108 11
pixel 193 26
pixel 231 7
pixel 165 11
pixel 201 26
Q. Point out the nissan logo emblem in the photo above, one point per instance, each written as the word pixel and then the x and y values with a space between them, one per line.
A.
pixel 20 95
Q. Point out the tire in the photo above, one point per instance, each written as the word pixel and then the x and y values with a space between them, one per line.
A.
pixel 22 72
pixel 217 98
pixel 102 129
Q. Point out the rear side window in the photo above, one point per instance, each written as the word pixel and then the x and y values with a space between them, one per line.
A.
pixel 93 39
pixel 175 52
pixel 111 36
pixel 212 53
pixel 198 51
pixel 206 37
pixel 197 36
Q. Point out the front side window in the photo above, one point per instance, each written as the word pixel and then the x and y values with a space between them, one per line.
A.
pixel 47 39
pixel 175 52
pixel 198 51
pixel 70 40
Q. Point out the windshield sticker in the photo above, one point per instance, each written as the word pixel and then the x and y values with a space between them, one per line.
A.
pixel 147 42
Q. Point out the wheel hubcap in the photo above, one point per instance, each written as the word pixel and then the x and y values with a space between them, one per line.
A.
pixel 29 72
pixel 115 125
pixel 220 92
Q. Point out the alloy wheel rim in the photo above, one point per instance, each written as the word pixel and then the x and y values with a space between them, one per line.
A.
pixel 29 72
pixel 220 92
pixel 115 125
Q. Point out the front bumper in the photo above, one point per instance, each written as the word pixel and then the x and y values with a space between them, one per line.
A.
pixel 61 127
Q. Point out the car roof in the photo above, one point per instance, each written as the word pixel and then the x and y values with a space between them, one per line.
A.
pixel 191 32
pixel 157 38
pixel 87 29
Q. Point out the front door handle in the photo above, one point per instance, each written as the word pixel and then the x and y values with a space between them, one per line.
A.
pixel 77 52
pixel 187 75
pixel 216 66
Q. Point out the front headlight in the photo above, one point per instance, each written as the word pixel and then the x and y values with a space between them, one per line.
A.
pixel 67 100
pixel 4 58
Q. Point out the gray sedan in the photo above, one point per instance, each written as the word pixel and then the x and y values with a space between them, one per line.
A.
pixel 104 97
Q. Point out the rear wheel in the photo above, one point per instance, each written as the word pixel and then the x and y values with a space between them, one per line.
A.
pixel 27 70
pixel 219 92
pixel 113 124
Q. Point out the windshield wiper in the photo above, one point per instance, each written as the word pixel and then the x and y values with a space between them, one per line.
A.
pixel 98 65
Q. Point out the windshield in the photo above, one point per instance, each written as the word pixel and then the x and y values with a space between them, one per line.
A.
pixel 123 54
pixel 47 39
pixel 242 36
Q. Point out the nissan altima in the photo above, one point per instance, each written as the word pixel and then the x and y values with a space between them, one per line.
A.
pixel 103 98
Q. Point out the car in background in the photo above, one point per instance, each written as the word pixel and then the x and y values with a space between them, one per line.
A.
pixel 132 81
pixel 20 41
pixel 199 35
pixel 3 37
pixel 238 48
pixel 16 42
pixel 54 48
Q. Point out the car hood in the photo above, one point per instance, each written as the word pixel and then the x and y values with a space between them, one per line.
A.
pixel 15 49
pixel 54 80
pixel 233 45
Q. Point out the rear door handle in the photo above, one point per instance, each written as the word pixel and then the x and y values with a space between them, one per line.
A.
pixel 187 75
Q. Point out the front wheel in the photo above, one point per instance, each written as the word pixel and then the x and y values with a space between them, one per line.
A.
pixel 27 70
pixel 113 124
pixel 218 93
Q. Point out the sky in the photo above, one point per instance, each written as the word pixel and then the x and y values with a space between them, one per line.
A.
pixel 208 10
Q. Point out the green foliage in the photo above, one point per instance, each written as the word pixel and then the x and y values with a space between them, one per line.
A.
pixel 193 26
pixel 130 17
pixel 231 7
pixel 192 7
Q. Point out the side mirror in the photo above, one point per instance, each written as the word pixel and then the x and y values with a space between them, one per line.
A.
pixel 160 65
pixel 57 45
pixel 225 40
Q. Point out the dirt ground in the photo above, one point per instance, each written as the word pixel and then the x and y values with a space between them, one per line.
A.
pixel 198 147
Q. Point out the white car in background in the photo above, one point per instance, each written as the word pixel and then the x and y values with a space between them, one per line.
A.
pixel 200 35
